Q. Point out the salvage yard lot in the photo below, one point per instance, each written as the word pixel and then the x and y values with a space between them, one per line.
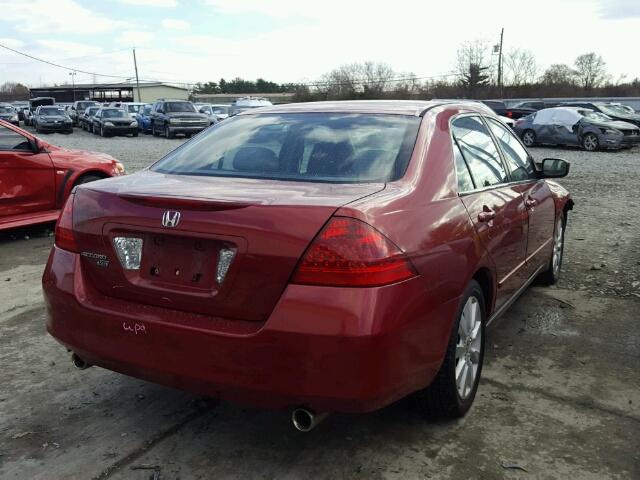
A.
pixel 559 397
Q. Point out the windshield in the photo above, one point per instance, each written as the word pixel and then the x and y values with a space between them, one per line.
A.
pixel 180 107
pixel 146 110
pixel 220 110
pixel 613 110
pixel 115 113
pixel 52 111
pixel 133 108
pixel 597 116
pixel 84 105
pixel 312 147
pixel 92 110
pixel 4 109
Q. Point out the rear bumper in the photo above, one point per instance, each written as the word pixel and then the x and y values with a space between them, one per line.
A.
pixel 351 350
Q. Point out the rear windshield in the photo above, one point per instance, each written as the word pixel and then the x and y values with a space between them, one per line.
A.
pixel 84 105
pixel 331 147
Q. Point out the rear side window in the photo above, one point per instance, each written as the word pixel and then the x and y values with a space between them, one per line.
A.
pixel 479 151
pixel 313 147
pixel 465 182
pixel 515 154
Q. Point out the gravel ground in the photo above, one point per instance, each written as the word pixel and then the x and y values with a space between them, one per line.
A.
pixel 559 396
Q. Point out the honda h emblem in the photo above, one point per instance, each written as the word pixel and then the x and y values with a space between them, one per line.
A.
pixel 170 218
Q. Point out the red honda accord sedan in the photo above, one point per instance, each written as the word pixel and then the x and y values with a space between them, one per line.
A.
pixel 36 177
pixel 332 256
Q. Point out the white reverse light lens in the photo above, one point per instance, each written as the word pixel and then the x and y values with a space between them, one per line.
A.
pixel 129 251
pixel 225 258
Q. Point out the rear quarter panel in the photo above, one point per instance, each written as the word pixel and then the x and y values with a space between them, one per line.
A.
pixel 424 216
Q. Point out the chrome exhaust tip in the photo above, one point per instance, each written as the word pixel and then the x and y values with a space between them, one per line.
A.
pixel 78 362
pixel 306 420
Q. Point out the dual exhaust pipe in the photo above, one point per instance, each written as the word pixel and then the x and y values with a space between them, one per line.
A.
pixel 303 419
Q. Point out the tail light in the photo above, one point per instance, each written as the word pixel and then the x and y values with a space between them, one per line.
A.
pixel 351 253
pixel 64 228
pixel 509 114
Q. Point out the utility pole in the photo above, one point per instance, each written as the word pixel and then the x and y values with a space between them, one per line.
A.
pixel 73 83
pixel 500 64
pixel 135 64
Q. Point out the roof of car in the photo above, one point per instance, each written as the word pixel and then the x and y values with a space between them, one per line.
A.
pixel 397 107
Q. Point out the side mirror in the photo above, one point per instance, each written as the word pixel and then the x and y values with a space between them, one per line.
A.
pixel 35 145
pixel 555 168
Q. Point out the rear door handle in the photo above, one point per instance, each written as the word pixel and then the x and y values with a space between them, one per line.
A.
pixel 530 202
pixel 486 214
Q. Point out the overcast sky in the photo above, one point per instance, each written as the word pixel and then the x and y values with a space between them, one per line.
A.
pixel 297 40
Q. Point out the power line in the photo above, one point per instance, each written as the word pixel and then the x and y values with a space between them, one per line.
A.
pixel 58 65
pixel 311 84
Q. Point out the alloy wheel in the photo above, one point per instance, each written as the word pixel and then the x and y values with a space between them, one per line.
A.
pixel 590 142
pixel 528 138
pixel 468 347
pixel 557 248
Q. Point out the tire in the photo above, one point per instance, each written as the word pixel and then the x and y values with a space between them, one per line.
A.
pixel 153 130
pixel 87 178
pixel 529 138
pixel 38 129
pixel 167 132
pixel 590 142
pixel 551 275
pixel 445 398
pixel 101 131
pixel 135 134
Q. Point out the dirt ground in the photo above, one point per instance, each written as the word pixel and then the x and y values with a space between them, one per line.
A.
pixel 559 397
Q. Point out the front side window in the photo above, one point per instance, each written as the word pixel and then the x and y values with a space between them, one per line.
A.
pixel 10 140
pixel 479 151
pixel 515 154
pixel 313 147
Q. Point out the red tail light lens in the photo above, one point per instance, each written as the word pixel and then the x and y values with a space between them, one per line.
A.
pixel 64 228
pixel 351 253
pixel 509 114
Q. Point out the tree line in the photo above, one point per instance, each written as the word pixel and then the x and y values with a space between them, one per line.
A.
pixel 474 75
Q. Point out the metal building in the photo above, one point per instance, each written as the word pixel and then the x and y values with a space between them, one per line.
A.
pixel 112 92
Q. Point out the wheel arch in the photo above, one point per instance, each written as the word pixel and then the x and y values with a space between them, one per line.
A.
pixel 485 279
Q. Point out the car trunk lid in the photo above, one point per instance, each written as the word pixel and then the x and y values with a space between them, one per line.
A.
pixel 266 224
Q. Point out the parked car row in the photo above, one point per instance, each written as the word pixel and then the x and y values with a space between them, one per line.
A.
pixel 576 126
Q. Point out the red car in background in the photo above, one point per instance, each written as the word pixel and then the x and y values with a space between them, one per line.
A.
pixel 331 256
pixel 37 177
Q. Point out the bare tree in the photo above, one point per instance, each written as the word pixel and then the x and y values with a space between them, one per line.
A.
pixel 559 74
pixel 521 67
pixel 590 70
pixel 361 80
pixel 473 66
